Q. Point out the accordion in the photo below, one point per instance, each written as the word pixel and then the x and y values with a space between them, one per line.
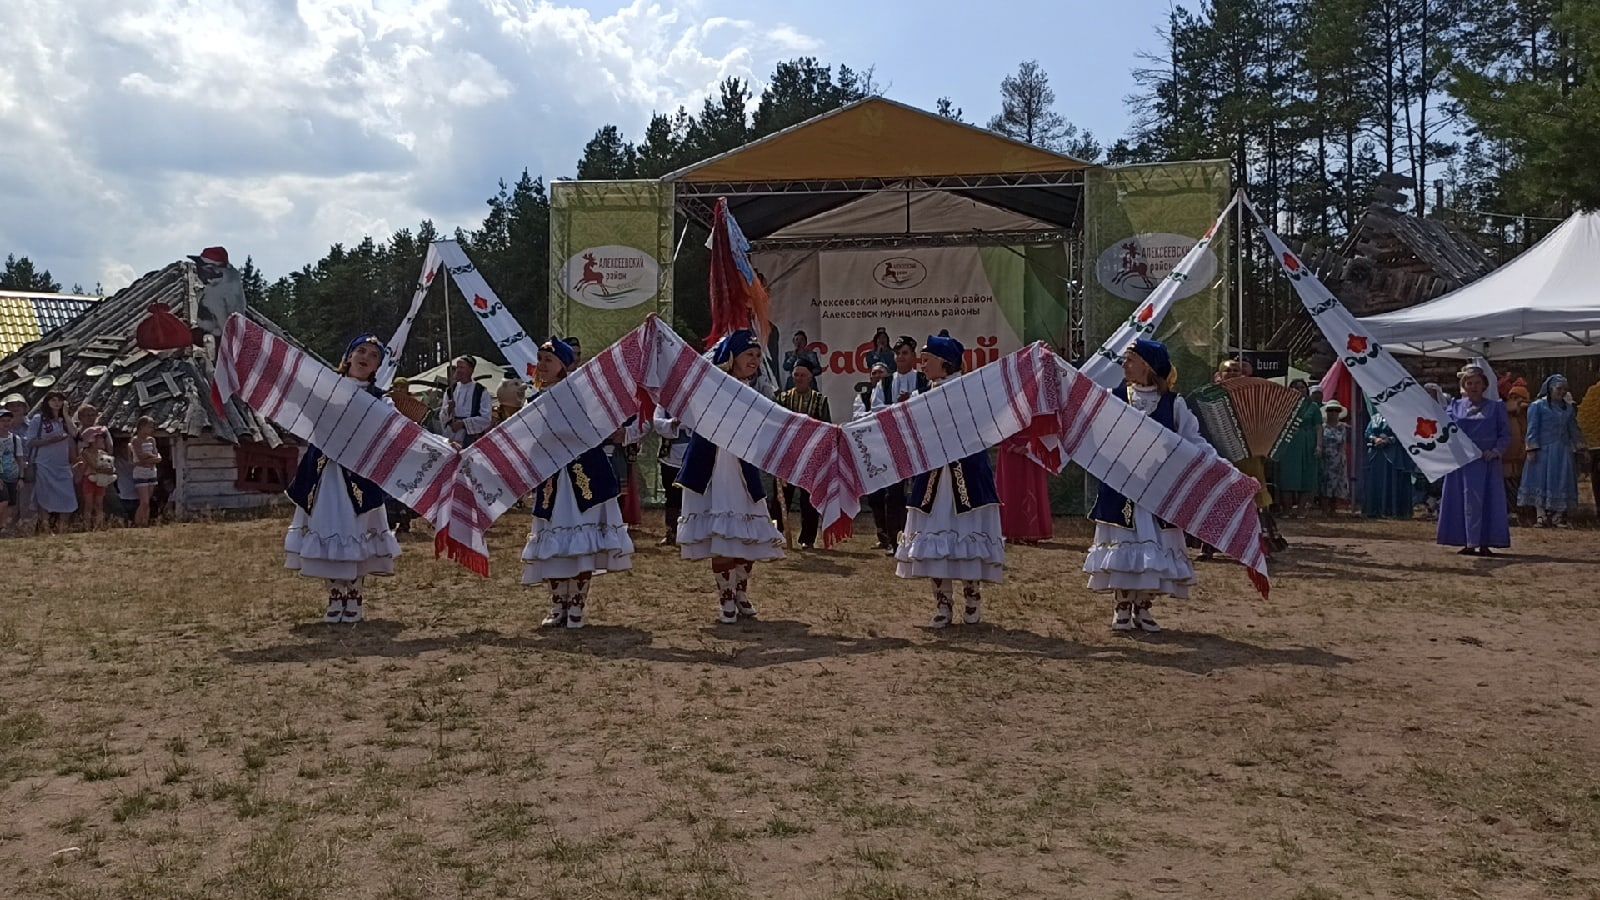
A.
pixel 1245 417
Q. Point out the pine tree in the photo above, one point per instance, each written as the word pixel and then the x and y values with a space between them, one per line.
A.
pixel 607 156
pixel 1027 113
pixel 947 108
pixel 20 275
pixel 722 124
pixel 1529 83
pixel 801 89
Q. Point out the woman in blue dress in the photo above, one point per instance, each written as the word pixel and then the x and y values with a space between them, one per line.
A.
pixel 1550 475
pixel 1387 490
pixel 1472 512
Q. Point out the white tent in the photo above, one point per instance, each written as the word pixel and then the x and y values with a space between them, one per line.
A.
pixel 438 377
pixel 1544 303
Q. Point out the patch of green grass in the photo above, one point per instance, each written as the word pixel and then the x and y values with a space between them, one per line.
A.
pixel 886 815
pixel 504 820
pixel 782 828
pixel 140 803
pixel 879 858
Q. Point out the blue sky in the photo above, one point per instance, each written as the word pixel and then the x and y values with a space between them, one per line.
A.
pixel 138 131
pixel 925 50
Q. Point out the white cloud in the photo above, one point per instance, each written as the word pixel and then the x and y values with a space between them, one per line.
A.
pixel 135 133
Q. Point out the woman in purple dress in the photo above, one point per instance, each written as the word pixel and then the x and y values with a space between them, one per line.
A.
pixel 1472 513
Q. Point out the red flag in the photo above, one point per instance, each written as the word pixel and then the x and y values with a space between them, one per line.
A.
pixel 738 298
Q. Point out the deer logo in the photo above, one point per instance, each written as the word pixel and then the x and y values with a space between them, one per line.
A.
pixel 591 277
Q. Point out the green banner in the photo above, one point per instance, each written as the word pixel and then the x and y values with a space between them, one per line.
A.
pixel 610 258
pixel 1141 220
pixel 1030 285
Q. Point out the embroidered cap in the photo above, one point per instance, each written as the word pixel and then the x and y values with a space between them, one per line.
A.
pixel 1155 354
pixel 561 349
pixel 383 349
pixel 733 344
pixel 946 348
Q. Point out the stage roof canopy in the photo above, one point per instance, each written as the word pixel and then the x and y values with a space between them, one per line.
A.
pixel 875 138
pixel 876 144
pixel 1543 303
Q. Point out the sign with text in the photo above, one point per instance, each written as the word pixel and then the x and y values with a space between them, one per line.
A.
pixel 839 299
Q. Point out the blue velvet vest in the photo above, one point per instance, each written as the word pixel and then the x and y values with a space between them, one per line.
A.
pixel 1111 507
pixel 365 496
pixel 701 458
pixel 593 478
pixel 974 484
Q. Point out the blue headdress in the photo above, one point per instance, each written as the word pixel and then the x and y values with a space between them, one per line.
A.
pixel 946 348
pixel 733 344
pixel 374 340
pixel 1552 381
pixel 562 351
pixel 1155 354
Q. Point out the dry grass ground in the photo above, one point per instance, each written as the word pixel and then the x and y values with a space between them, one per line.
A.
pixel 1397 721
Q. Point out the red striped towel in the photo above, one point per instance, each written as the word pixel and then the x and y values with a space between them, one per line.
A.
pixel 1031 392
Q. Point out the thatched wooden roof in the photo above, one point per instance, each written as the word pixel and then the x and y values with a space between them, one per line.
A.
pixel 94 359
pixel 1391 261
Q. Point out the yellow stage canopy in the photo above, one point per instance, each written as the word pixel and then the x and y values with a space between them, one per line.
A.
pixel 875 138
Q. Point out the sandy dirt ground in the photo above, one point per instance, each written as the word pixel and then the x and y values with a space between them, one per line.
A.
pixel 1396 721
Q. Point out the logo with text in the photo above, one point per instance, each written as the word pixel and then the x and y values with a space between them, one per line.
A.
pixel 900 273
pixel 611 277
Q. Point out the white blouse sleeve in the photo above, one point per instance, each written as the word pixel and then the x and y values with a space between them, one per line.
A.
pixel 1189 426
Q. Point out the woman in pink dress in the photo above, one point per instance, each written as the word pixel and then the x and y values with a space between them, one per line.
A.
pixel 1024 494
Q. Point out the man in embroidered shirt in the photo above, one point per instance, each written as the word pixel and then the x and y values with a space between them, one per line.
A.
pixel 469 412
pixel 806 400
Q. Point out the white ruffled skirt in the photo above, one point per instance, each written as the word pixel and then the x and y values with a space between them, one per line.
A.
pixel 333 542
pixel 1146 557
pixel 946 544
pixel 724 521
pixel 571 543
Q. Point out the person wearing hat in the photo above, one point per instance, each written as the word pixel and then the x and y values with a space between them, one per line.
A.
pixel 906 381
pixel 952 529
pixel 577 530
pixel 870 399
pixel 22 508
pixel 1136 557
pixel 1333 458
pixel 52 447
pixel 1472 509
pixel 806 400
pixel 882 352
pixel 725 518
pixel 1553 443
pixel 10 467
pixel 468 412
pixel 340 530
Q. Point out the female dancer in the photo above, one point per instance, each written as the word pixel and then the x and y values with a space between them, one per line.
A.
pixel 725 516
pixel 952 514
pixel 1136 557
pixel 340 533
pixel 578 530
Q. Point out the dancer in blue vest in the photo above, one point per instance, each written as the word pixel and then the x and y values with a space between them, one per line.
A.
pixel 1136 557
pixel 725 516
pixel 340 532
pixel 578 530
pixel 952 526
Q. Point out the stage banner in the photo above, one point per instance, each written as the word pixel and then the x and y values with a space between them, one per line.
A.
pixel 992 299
pixel 610 258
pixel 1140 222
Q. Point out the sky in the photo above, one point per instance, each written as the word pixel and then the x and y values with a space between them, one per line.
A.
pixel 133 132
